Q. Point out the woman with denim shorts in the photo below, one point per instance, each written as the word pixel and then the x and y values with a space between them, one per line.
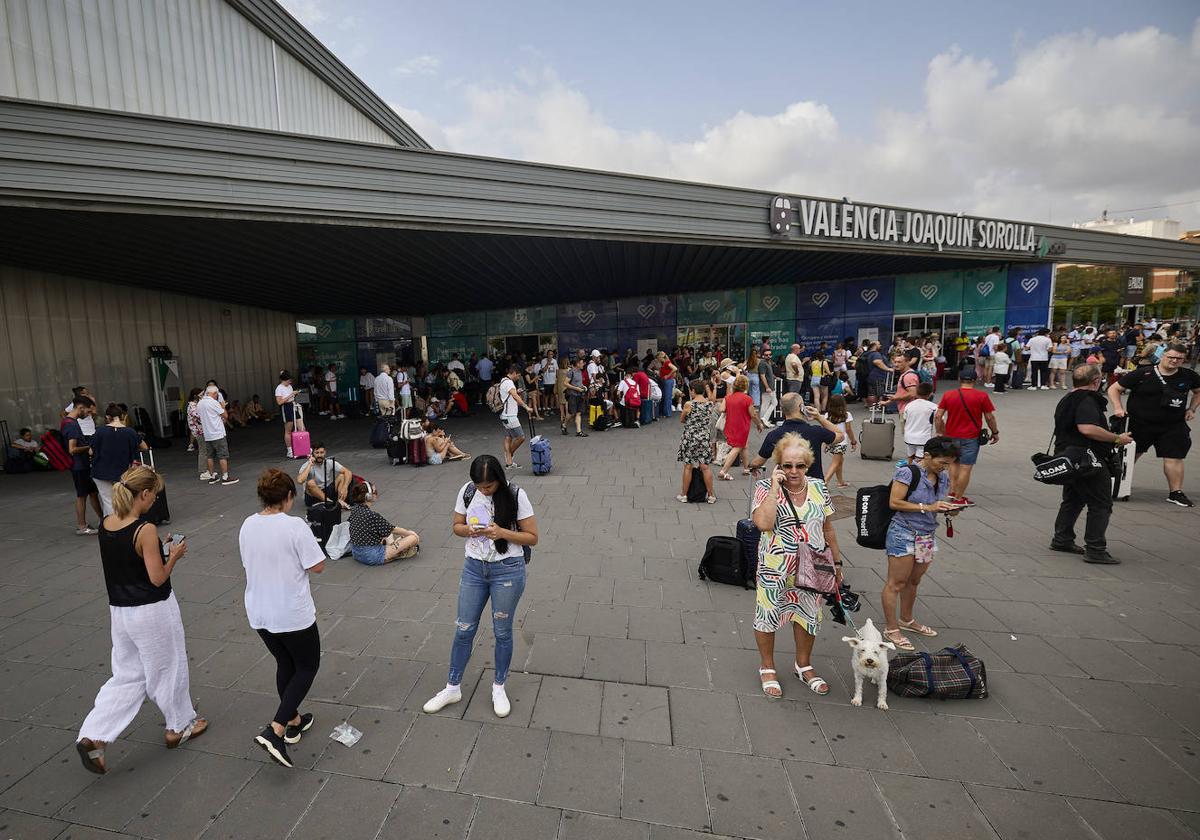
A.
pixel 497 521
pixel 373 540
pixel 911 540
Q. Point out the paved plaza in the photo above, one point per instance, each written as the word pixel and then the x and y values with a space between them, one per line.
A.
pixel 637 711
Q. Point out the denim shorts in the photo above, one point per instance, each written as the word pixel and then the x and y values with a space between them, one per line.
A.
pixel 435 458
pixel 968 451
pixel 370 555
pixel 901 541
pixel 512 427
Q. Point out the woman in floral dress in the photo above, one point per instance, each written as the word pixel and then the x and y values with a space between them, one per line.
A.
pixel 696 444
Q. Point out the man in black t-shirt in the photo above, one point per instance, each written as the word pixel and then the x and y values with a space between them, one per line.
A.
pixel 1162 400
pixel 1079 422
pixel 819 434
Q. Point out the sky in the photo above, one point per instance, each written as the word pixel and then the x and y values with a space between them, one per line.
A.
pixel 1042 111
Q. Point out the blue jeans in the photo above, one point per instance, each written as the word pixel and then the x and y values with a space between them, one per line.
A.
pixel 668 389
pixel 646 409
pixel 502 582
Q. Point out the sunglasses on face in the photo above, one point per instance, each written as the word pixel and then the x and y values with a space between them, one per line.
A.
pixel 793 466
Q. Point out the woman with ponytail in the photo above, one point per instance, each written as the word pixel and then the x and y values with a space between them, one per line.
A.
pixel 114 448
pixel 149 656
pixel 497 521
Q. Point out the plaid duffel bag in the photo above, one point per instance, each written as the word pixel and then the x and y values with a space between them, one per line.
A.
pixel 953 673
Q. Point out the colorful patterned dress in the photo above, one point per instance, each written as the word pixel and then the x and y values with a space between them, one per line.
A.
pixel 778 600
pixel 695 447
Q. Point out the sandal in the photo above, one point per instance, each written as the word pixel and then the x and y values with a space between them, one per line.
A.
pixel 816 684
pixel 193 730
pixel 745 473
pixel 92 755
pixel 898 639
pixel 712 500
pixel 724 476
pixel 767 685
pixel 919 629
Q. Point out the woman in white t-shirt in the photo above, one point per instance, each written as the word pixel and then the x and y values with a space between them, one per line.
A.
pixel 285 398
pixel 404 389
pixel 278 552
pixel 498 524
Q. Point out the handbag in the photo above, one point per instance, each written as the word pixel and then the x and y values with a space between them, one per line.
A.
pixel 1072 464
pixel 816 571
pixel 984 435
pixel 953 673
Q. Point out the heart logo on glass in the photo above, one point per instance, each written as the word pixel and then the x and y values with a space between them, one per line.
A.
pixel 928 292
pixel 1029 284
pixel 324 330
pixel 770 302
pixel 869 296
pixel 711 306
pixel 454 325
pixel 586 316
pixel 820 299
pixel 985 289
pixel 645 310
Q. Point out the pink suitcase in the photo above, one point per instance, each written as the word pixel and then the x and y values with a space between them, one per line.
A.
pixel 301 443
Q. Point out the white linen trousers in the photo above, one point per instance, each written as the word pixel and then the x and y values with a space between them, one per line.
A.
pixel 149 659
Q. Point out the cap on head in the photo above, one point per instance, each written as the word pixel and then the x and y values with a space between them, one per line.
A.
pixel 212 389
pixel 595 354
pixel 967 374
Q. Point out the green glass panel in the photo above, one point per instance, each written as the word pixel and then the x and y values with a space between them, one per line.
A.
pixel 522 321
pixel 457 324
pixel 725 307
pixel 442 348
pixel 977 322
pixel 312 330
pixel 770 303
pixel 781 333
pixel 344 354
pixel 985 288
pixel 939 291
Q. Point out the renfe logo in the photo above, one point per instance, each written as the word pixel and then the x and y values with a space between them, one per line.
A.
pixel 820 299
pixel 869 296
pixel 586 316
pixel 929 291
pixel 770 302
pixel 1029 284
pixel 520 318
pixel 781 209
pixel 645 310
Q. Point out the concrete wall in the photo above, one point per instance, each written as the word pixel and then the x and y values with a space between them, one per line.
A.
pixel 57 332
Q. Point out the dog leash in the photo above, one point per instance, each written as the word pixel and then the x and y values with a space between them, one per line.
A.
pixel 837 596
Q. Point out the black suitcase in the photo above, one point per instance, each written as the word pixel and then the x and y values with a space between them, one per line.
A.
pixel 748 535
pixel 397 450
pixel 380 434
pixel 322 517
pixel 724 561
pixel 697 492
pixel 160 511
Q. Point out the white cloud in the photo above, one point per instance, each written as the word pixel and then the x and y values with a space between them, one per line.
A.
pixel 420 65
pixel 1083 122
pixel 308 12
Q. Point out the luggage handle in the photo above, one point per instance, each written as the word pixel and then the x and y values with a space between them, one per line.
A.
pixel 142 458
pixel 928 660
pixel 962 660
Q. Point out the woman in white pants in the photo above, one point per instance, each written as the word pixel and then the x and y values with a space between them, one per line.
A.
pixel 149 657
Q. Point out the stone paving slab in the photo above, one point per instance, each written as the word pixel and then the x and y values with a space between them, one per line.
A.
pixel 636 706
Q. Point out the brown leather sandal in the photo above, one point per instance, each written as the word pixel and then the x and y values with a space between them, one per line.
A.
pixel 92 755
pixel 193 730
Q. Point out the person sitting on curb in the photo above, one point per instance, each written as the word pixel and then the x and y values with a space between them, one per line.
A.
pixel 322 477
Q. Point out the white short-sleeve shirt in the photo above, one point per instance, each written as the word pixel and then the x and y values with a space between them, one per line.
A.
pixel 277 552
pixel 285 392
pixel 481 512
pixel 210 418
pixel 507 390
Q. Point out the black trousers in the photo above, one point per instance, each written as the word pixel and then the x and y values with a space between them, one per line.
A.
pixel 1094 493
pixel 1039 374
pixel 297 658
pixel 1000 380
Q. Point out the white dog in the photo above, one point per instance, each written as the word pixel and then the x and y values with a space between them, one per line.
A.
pixel 869 659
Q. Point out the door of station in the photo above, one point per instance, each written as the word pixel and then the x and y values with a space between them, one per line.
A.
pixel 942 323
pixel 530 345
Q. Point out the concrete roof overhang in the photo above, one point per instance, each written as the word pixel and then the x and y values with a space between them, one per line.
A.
pixel 307 224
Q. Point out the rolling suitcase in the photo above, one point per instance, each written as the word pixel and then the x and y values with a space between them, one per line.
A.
pixel 748 535
pixel 160 511
pixel 418 455
pixel 321 518
pixel 380 434
pixel 539 451
pixel 54 447
pixel 397 447
pixel 1123 461
pixel 877 439
pixel 777 411
pixel 301 442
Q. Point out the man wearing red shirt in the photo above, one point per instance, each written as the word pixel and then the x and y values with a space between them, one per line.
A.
pixel 961 414
pixel 643 385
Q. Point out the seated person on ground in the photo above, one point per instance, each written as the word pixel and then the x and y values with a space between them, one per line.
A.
pixel 457 405
pixel 323 478
pixel 436 409
pixel 440 447
pixel 373 540
pixel 237 415
pixel 25 443
pixel 254 410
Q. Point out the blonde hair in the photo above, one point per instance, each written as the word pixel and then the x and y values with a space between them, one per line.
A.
pixel 134 481
pixel 793 441
pixel 741 383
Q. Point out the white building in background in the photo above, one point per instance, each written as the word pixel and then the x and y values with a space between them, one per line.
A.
pixel 1156 228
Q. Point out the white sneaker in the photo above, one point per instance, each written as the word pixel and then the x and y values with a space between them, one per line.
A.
pixel 988 385
pixel 448 695
pixel 1044 388
pixel 289 454
pixel 207 476
pixel 500 704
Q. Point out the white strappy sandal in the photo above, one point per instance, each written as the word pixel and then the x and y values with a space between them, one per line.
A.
pixel 817 685
pixel 770 684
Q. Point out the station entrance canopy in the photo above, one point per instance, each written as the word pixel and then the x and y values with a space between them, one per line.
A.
pixel 311 225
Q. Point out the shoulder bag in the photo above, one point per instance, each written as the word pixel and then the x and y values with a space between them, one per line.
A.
pixel 984 435
pixel 816 571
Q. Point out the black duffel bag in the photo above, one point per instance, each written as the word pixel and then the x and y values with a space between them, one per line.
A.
pixel 953 673
pixel 1072 464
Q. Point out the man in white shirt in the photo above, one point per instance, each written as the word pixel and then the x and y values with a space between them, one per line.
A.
pixel 918 422
pixel 331 385
pixel 991 340
pixel 385 391
pixel 549 378
pixel 1039 348
pixel 595 368
pixel 87 423
pixel 216 447
pixel 456 364
pixel 510 396
pixel 367 383
pixel 484 371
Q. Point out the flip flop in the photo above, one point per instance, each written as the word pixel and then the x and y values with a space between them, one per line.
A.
pixel 898 639
pixel 919 629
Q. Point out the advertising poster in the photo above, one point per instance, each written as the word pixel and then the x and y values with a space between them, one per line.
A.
pixel 813 331
pixel 869 300
pixel 726 307
pixel 985 288
pixel 939 291
pixel 781 333
pixel 524 320
pixel 316 330
pixel 456 324
pixel 1029 287
pixel 344 354
pixel 770 303
pixel 977 322
pixel 663 337
pixel 1028 321
pixel 820 301
pixel 385 327
pixel 591 315
pixel 654 311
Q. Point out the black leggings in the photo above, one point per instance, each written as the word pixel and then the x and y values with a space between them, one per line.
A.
pixel 297 658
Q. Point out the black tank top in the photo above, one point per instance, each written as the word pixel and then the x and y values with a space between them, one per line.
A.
pixel 124 572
